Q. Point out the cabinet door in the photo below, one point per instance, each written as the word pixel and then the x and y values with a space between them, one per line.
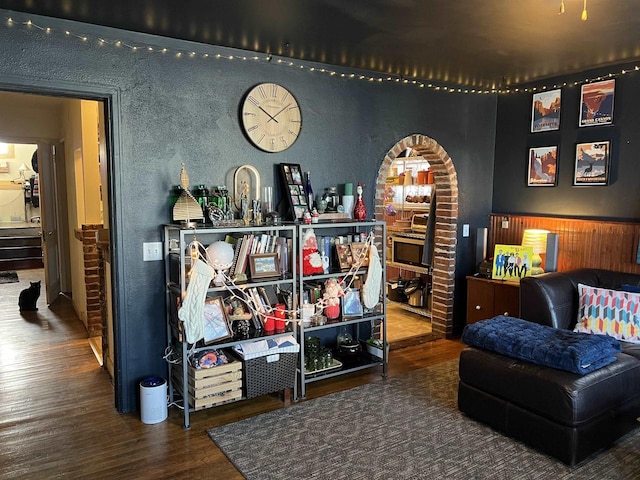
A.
pixel 506 300
pixel 480 303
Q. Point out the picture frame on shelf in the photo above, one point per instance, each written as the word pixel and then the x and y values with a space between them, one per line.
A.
pixel 345 258
pixel 216 324
pixel 360 251
pixel 592 163
pixel 294 202
pixel 351 304
pixel 545 111
pixel 596 103
pixel 542 169
pixel 264 265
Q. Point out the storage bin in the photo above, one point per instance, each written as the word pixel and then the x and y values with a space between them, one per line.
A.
pixel 208 387
pixel 269 373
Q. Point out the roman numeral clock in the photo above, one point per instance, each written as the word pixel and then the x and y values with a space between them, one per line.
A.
pixel 271 117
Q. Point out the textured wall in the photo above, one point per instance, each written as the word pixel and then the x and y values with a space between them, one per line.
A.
pixel 185 109
pixel 619 200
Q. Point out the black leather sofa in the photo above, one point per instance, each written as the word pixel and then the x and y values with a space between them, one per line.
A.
pixel 563 414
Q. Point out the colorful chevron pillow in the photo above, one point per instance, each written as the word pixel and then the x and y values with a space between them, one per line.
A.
pixel 609 312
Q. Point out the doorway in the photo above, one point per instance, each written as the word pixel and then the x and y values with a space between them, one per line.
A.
pixel 71 156
pixel 442 266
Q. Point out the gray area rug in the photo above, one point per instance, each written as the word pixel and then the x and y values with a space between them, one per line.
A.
pixel 405 427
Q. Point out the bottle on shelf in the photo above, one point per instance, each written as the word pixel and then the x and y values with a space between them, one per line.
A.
pixel 309 192
pixel 360 210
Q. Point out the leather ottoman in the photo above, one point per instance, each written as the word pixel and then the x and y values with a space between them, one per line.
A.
pixel 566 415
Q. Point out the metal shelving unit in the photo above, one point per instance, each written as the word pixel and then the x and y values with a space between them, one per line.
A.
pixel 370 320
pixel 176 241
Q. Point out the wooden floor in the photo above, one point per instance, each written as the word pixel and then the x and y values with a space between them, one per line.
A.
pixel 57 415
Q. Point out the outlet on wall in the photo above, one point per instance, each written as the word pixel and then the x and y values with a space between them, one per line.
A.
pixel 151 251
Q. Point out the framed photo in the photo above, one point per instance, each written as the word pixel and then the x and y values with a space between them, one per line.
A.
pixel 512 262
pixel 592 163
pixel 264 265
pixel 216 325
pixel 360 252
pixel 545 111
pixel 351 304
pixel 596 103
pixel 294 203
pixel 543 162
pixel 345 258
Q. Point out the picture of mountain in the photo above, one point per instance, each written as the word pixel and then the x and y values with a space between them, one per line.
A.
pixel 596 105
pixel 592 163
pixel 545 111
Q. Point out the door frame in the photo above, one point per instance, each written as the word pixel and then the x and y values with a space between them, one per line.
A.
pixel 110 96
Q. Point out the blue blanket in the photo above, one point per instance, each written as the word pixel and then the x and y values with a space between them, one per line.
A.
pixel 563 349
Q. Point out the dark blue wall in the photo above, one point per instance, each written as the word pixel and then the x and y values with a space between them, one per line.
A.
pixel 620 200
pixel 171 110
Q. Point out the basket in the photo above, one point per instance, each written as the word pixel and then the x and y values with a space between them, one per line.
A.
pixel 269 373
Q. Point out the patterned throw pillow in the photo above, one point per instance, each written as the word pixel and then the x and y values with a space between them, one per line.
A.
pixel 609 312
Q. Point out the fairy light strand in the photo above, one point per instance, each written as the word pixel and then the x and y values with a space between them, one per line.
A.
pixel 270 58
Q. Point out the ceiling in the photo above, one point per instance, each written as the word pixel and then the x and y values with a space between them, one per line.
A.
pixel 480 43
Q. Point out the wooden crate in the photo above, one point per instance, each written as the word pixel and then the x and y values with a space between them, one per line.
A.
pixel 209 387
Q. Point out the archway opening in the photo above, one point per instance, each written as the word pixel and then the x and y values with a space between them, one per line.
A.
pixel 444 254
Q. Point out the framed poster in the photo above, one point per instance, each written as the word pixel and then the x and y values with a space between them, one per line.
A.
pixel 596 103
pixel 545 111
pixel 543 162
pixel 511 262
pixel 592 163
pixel 216 326
pixel 345 259
pixel 294 201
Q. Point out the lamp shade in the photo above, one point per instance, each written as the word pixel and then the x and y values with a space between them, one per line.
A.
pixel 537 240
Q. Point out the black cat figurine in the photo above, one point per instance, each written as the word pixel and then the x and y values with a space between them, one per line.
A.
pixel 29 297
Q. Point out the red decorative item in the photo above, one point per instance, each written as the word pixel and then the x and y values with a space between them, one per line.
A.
pixel 359 211
pixel 311 260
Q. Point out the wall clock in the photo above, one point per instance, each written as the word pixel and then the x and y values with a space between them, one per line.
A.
pixel 271 117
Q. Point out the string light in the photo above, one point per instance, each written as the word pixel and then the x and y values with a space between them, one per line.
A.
pixel 266 58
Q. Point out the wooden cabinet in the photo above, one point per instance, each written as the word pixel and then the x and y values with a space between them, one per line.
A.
pixel 487 298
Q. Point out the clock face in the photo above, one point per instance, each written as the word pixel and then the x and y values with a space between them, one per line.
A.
pixel 271 117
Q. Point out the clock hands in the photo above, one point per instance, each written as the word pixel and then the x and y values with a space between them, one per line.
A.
pixel 268 115
pixel 282 110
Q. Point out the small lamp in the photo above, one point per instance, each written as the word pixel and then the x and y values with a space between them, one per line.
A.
pixel 537 239
pixel 23 168
pixel 220 257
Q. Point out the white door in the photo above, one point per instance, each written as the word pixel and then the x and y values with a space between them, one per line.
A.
pixel 49 219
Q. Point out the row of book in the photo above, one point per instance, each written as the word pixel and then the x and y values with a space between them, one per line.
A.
pixel 250 244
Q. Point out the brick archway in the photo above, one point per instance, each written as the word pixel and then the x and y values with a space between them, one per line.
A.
pixel 444 262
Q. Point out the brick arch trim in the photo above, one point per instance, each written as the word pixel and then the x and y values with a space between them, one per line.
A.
pixel 444 261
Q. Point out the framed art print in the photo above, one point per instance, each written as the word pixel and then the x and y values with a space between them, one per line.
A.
pixel 264 265
pixel 596 103
pixel 216 326
pixel 543 162
pixel 592 163
pixel 545 111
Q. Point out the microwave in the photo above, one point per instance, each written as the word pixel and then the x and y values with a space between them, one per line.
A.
pixel 407 250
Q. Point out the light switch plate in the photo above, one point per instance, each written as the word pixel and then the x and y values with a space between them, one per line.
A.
pixel 152 251
pixel 465 230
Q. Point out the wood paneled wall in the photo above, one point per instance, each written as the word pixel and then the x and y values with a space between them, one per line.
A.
pixel 581 243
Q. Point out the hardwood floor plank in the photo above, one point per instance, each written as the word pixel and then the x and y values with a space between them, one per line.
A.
pixel 57 414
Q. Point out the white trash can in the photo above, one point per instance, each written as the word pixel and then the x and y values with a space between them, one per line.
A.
pixel 153 400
